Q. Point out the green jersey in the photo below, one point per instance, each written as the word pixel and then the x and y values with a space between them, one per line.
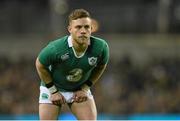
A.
pixel 69 71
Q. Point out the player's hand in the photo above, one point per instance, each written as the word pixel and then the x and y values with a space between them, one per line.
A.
pixel 57 99
pixel 80 96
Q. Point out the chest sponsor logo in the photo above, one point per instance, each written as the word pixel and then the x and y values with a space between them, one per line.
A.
pixel 65 56
pixel 74 75
pixel 92 61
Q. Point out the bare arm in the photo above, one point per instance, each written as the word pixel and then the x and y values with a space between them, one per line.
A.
pixel 43 72
pixel 81 95
pixel 96 74
pixel 56 98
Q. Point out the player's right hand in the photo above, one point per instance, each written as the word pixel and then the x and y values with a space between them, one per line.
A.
pixel 57 99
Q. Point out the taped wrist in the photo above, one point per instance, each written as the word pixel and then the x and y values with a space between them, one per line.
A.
pixel 85 87
pixel 52 88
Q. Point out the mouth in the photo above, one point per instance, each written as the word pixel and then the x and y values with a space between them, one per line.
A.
pixel 83 37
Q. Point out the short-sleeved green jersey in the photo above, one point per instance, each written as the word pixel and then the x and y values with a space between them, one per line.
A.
pixel 69 71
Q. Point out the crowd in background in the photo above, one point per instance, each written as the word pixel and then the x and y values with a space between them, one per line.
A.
pixel 19 86
pixel 152 87
pixel 125 87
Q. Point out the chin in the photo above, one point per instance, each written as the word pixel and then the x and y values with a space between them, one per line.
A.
pixel 82 41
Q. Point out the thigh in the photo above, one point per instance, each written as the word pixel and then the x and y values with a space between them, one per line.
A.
pixel 85 110
pixel 48 111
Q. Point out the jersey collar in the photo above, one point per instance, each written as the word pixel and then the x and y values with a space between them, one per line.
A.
pixel 70 41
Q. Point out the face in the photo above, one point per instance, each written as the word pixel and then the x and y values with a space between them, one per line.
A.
pixel 80 30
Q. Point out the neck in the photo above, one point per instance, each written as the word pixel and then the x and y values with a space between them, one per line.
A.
pixel 79 47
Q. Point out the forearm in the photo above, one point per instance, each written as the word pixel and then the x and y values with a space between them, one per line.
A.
pixel 45 76
pixel 43 72
pixel 96 74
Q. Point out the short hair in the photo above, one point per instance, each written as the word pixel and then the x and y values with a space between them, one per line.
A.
pixel 78 13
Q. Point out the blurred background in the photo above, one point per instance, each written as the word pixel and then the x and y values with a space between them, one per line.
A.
pixel 142 80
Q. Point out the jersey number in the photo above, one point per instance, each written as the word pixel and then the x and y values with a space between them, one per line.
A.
pixel 75 75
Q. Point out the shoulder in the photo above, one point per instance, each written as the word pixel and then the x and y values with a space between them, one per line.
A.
pixel 97 45
pixel 98 42
pixel 59 44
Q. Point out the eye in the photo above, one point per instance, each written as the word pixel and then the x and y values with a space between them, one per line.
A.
pixel 78 27
pixel 87 27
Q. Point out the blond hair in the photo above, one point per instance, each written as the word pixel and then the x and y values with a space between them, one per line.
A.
pixel 78 13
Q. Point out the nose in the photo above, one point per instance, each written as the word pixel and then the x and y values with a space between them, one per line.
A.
pixel 83 30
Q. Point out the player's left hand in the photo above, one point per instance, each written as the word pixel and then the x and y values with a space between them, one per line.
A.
pixel 80 96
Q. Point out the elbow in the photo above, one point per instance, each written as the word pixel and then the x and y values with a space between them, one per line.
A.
pixel 37 64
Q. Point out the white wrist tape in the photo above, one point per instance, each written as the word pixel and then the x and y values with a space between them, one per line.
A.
pixel 53 89
pixel 85 88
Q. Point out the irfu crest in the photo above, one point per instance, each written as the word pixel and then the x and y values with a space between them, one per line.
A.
pixel 92 60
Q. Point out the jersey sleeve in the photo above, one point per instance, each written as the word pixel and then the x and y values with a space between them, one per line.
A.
pixel 47 55
pixel 105 55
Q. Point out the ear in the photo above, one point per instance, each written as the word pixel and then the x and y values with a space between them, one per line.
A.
pixel 69 28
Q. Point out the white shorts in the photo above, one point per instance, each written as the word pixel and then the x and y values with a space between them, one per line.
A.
pixel 44 96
